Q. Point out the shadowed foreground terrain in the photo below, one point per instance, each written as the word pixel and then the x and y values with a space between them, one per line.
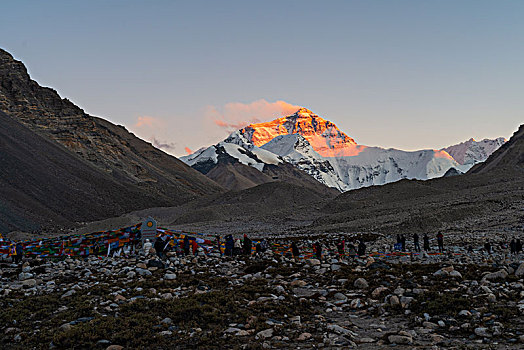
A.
pixel 471 300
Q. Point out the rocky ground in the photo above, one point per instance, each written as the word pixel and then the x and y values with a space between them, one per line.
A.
pixel 456 300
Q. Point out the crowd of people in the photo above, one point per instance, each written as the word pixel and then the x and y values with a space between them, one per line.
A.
pixel 232 247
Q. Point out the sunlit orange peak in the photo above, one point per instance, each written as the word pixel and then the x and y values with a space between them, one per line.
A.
pixel 323 135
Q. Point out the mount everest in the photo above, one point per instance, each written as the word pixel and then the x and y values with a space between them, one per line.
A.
pixel 317 147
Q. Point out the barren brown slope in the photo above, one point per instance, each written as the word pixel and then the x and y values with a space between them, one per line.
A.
pixel 233 175
pixel 45 186
pixel 273 207
pixel 111 148
pixel 236 176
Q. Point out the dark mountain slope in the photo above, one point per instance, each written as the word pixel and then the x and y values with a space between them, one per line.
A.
pixel 111 148
pixel 490 196
pixel 43 185
pixel 509 156
pixel 237 176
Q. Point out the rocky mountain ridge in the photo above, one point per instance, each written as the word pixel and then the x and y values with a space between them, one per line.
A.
pixel 106 146
pixel 62 167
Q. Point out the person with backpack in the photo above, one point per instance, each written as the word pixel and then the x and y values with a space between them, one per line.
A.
pixel 17 252
pixel 159 246
pixel 230 244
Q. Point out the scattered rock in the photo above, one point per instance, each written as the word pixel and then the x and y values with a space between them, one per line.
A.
pixel 304 336
pixel 68 293
pixel 267 333
pixel 496 276
pixel 170 276
pixel 377 291
pixel 482 332
pixel 361 283
pixel 520 270
pixel 115 347
pixel 400 339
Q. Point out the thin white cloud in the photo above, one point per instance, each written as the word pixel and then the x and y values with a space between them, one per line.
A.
pixel 236 115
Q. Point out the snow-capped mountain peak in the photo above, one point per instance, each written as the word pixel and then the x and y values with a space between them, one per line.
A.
pixel 472 152
pixel 319 148
pixel 322 135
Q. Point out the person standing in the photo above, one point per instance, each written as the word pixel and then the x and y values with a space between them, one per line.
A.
pixel 247 245
pixel 230 243
pixel 340 248
pixel 96 248
pixel 295 251
pixel 440 242
pixel 361 249
pixel 237 250
pixel 194 246
pixel 19 251
pixel 186 245
pixel 264 244
pixel 513 246
pixel 352 251
pixel 518 245
pixel 403 242
pixel 159 246
pixel 318 250
pixel 178 248
pixel 147 247
pixel 426 242
pixel 416 242
pixel 487 247
pixel 258 249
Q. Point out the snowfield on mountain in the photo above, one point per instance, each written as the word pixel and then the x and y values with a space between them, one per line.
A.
pixel 319 148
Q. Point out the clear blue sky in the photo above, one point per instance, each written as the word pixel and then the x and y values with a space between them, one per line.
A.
pixel 403 74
